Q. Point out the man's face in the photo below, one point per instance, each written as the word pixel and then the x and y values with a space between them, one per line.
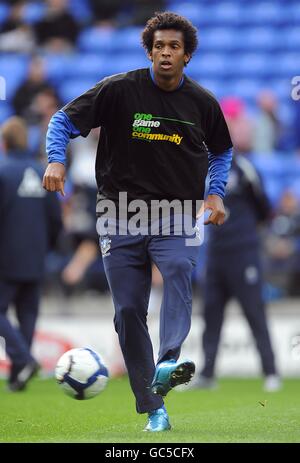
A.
pixel 168 54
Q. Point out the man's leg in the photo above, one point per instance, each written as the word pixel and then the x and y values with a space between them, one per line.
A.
pixel 247 287
pixel 16 346
pixel 215 299
pixel 27 307
pixel 176 262
pixel 128 270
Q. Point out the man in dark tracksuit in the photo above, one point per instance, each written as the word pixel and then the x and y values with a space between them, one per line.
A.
pixel 234 270
pixel 30 220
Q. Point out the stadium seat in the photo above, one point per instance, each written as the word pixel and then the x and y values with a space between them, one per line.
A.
pixel 191 10
pixel 281 87
pixel 219 38
pixel 71 89
pixel 96 39
pixel 258 39
pixel 293 11
pixel 74 65
pixel 4 9
pixel 291 38
pixel 214 86
pixel 225 13
pixel 5 111
pixel 13 68
pixel 247 89
pixel 123 64
pixel 263 13
pixel 107 39
pixel 289 64
pixel 128 40
pixel 208 64
pixel 253 64
pixel 81 10
pixel 33 12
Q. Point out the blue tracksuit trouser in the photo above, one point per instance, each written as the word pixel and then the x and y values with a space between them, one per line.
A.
pixel 128 269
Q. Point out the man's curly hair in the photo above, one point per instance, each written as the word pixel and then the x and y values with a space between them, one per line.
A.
pixel 169 20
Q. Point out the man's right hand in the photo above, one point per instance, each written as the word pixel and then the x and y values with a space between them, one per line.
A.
pixel 54 178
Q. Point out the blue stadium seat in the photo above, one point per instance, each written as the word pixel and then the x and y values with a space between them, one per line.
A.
pixel 77 65
pixel 219 39
pixel 291 38
pixel 225 14
pixel 295 188
pixel 71 89
pixel 107 40
pixel 4 9
pixel 214 86
pixel 5 111
pixel 208 65
pixel 289 64
pixel 96 39
pixel 33 12
pixel 128 40
pixel 247 89
pixel 13 67
pixel 55 66
pixel 271 168
pixel 81 10
pixel 123 64
pixel 253 64
pixel 258 39
pixel 191 10
pixel 263 14
pixel 281 87
pixel 293 12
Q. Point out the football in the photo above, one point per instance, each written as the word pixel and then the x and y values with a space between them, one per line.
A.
pixel 81 373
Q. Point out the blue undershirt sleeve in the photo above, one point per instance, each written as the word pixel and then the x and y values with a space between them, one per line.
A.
pixel 218 169
pixel 60 131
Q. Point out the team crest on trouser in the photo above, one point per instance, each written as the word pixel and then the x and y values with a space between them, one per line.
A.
pixel 105 243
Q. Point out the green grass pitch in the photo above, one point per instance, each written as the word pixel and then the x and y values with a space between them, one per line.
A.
pixel 238 411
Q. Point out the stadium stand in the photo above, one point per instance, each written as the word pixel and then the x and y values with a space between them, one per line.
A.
pixel 244 48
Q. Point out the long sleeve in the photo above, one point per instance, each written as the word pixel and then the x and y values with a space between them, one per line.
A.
pixel 60 131
pixel 219 166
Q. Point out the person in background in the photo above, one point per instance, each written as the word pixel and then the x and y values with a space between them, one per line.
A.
pixel 233 270
pixel 240 125
pixel 267 126
pixel 283 244
pixel 35 83
pixel 30 222
pixel 57 31
pixel 15 35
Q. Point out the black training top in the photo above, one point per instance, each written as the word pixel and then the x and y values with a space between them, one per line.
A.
pixel 153 144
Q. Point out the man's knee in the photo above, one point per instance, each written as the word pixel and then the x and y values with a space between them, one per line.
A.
pixel 126 313
pixel 178 266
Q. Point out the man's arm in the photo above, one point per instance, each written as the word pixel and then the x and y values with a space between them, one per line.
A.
pixel 60 131
pixel 219 166
pixel 257 193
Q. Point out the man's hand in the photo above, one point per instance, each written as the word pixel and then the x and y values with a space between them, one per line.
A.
pixel 215 204
pixel 54 177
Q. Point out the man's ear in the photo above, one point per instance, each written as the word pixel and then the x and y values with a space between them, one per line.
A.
pixel 187 58
pixel 150 56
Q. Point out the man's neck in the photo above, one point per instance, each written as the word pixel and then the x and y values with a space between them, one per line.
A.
pixel 168 85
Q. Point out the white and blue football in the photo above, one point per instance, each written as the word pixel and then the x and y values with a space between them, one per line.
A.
pixel 81 373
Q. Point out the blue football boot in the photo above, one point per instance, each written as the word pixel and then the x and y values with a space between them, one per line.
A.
pixel 170 373
pixel 158 421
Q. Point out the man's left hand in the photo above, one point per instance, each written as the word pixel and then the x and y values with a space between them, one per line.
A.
pixel 215 204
